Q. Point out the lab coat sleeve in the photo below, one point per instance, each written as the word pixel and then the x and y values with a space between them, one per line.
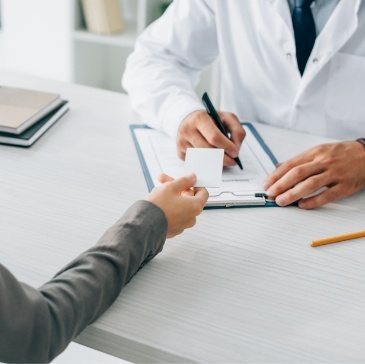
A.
pixel 37 324
pixel 164 68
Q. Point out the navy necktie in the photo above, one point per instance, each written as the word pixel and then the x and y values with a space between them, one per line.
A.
pixel 304 31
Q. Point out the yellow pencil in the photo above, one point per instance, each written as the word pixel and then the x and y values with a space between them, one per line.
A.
pixel 338 238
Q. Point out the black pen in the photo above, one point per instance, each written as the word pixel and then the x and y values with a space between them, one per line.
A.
pixel 217 121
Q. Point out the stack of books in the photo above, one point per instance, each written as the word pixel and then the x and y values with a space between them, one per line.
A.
pixel 27 114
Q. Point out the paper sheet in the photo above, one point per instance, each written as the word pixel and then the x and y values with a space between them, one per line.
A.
pixel 207 164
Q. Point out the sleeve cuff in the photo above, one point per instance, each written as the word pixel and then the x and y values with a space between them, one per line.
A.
pixel 175 110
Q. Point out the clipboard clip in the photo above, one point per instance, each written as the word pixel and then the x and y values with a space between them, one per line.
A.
pixel 265 196
pixel 231 199
pixel 261 194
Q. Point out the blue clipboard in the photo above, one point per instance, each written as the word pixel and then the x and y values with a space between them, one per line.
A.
pixel 149 180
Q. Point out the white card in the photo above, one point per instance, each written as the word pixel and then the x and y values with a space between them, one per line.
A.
pixel 207 164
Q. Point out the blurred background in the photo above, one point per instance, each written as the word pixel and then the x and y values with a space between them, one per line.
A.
pixel 81 41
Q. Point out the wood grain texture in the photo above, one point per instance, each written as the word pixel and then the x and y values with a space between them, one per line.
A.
pixel 243 286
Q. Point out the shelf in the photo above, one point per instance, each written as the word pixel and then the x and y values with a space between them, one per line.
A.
pixel 99 60
pixel 127 38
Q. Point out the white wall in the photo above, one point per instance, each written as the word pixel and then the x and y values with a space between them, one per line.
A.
pixel 35 37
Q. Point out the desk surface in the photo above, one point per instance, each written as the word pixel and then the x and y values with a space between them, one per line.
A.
pixel 242 286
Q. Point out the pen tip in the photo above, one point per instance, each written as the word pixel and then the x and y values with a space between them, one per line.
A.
pixel 237 160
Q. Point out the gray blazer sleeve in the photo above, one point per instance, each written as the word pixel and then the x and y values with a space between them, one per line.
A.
pixel 37 324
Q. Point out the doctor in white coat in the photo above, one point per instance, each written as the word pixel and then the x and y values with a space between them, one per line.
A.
pixel 298 64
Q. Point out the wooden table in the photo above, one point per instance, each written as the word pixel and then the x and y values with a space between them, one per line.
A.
pixel 242 286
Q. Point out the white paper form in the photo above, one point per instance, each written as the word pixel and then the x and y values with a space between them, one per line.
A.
pixel 239 187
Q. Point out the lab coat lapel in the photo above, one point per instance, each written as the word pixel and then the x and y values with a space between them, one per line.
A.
pixel 340 27
pixel 283 10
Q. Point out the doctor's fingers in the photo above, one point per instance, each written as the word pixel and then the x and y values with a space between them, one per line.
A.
pixel 182 144
pixel 228 161
pixel 211 133
pixel 293 177
pixel 285 167
pixel 233 124
pixel 331 194
pixel 197 140
pixel 310 186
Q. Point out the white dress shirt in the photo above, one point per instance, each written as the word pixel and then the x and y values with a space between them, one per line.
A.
pixel 260 80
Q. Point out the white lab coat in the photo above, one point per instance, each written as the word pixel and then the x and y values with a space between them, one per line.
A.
pixel 260 80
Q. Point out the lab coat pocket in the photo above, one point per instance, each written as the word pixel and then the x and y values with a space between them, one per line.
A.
pixel 345 97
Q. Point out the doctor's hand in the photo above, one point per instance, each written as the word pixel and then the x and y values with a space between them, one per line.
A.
pixel 180 202
pixel 199 131
pixel 336 169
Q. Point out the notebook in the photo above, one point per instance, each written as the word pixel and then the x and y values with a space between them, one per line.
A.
pixel 29 136
pixel 239 188
pixel 21 108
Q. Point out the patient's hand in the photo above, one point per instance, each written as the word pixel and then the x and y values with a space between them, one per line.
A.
pixel 180 202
